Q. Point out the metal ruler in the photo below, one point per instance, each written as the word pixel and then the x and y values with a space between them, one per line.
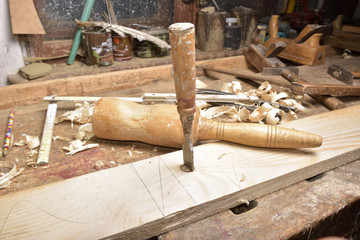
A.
pixel 159 97
pixel 44 152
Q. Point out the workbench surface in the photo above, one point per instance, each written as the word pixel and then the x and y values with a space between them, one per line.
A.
pixel 325 205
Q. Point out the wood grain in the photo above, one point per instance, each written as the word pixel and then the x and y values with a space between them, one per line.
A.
pixel 24 18
pixel 146 198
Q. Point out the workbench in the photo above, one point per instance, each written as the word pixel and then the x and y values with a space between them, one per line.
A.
pixel 327 204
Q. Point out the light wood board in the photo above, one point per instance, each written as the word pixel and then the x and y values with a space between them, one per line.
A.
pixel 153 196
pixel 24 18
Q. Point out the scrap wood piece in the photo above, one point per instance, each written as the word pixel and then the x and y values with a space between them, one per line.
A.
pixel 133 202
pixel 24 18
pixel 121 30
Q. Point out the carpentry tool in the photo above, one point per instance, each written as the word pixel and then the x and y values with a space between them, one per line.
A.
pixel 182 40
pixel 45 145
pixel 256 56
pixel 257 59
pixel 247 74
pixel 325 89
pixel 160 97
pixel 342 74
pixel 158 124
pixel 309 52
pixel 330 102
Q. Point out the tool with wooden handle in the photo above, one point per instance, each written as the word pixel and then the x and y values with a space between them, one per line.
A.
pixel 330 102
pixel 159 124
pixel 182 40
pixel 304 87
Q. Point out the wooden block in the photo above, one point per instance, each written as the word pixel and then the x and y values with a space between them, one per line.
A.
pixel 24 18
pixel 153 196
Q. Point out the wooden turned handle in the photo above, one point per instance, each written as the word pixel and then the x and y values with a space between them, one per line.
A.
pixel 257 135
pixel 274 26
pixel 182 39
pixel 157 124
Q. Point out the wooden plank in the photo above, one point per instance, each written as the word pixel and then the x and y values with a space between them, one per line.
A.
pixel 13 95
pixel 146 198
pixel 24 18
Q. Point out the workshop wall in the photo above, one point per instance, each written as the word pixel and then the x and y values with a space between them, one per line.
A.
pixel 11 56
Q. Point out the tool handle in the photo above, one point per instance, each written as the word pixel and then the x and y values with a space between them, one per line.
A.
pixel 257 135
pixel 274 26
pixel 159 124
pixel 182 40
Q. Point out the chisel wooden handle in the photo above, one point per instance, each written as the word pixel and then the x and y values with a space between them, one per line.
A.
pixel 160 125
pixel 182 39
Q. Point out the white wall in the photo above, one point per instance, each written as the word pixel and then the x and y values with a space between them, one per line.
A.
pixel 11 56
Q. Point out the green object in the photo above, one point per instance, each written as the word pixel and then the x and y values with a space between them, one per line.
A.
pixel 84 17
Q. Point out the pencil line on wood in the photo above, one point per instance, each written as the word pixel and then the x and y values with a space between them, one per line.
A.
pixel 162 192
pixel 221 170
pixel 249 162
pixel 138 175
pixel 178 181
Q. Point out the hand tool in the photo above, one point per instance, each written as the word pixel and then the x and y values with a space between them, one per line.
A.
pixel 161 97
pixel 247 74
pixel 330 102
pixel 299 50
pixel 182 40
pixel 159 124
pixel 45 145
pixel 325 89
pixel 342 74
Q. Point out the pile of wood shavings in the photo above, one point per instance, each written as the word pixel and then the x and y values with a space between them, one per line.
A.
pixel 82 114
pixel 267 113
pixel 6 178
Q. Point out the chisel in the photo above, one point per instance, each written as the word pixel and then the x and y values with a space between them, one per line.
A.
pixel 182 40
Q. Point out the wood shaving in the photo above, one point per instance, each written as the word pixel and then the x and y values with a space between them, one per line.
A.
pixel 5 180
pixel 243 115
pixel 121 30
pixel 234 87
pixel 129 152
pixel 31 141
pixel 82 114
pixel 85 132
pixel 260 113
pixel 226 113
pixel 82 148
pixel 98 164
pixel 64 139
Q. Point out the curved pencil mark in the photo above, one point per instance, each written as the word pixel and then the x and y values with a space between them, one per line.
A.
pixel 44 211
pixel 138 175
